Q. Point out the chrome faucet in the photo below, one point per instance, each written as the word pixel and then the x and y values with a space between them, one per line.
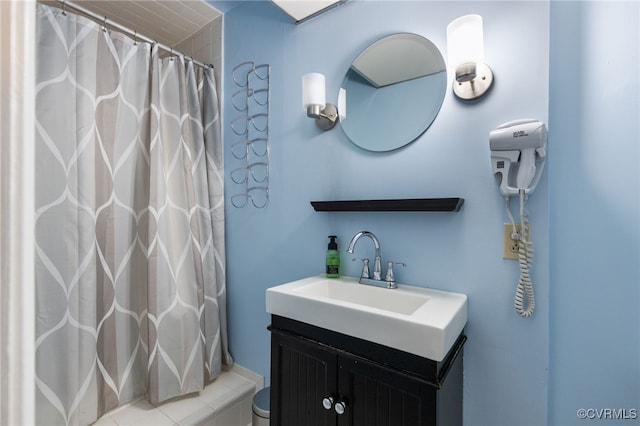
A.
pixel 377 267
pixel 376 279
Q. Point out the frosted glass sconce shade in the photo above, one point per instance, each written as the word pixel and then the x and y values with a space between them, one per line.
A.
pixel 313 91
pixel 465 40
pixel 314 101
pixel 465 50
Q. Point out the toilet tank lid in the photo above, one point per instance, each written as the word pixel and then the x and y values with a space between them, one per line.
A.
pixel 261 402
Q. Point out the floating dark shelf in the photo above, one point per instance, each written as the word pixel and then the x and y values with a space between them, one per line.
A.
pixel 397 205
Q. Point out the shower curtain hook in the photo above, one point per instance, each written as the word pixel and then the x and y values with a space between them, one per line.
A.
pixel 64 5
pixel 135 38
pixel 104 25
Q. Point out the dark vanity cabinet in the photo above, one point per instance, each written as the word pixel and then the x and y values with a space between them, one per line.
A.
pixel 323 378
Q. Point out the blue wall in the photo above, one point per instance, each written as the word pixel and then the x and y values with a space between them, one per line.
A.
pixel 595 211
pixel 582 348
pixel 506 357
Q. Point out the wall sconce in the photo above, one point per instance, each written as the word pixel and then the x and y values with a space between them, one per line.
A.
pixel 313 101
pixel 465 48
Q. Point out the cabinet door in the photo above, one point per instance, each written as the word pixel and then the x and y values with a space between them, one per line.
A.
pixel 378 396
pixel 302 374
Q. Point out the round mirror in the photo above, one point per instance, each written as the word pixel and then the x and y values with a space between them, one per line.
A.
pixel 392 92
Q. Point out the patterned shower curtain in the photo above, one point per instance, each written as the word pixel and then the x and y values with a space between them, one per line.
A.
pixel 129 228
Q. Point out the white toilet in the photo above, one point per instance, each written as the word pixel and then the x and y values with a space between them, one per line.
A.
pixel 261 408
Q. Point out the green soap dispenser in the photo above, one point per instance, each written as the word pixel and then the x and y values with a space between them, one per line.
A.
pixel 333 258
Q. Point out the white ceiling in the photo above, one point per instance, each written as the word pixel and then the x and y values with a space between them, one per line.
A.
pixel 167 21
pixel 301 10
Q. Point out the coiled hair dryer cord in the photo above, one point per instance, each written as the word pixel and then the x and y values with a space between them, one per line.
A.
pixel 525 256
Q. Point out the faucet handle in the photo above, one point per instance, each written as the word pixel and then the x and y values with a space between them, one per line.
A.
pixel 365 266
pixel 390 277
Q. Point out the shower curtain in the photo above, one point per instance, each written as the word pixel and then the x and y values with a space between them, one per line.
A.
pixel 129 222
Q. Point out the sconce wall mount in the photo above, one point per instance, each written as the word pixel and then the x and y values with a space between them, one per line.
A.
pixel 465 46
pixel 473 80
pixel 326 118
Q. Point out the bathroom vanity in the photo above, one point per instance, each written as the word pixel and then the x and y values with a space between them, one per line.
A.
pixel 348 354
pixel 320 377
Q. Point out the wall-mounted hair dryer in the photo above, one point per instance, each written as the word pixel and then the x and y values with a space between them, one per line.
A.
pixel 518 151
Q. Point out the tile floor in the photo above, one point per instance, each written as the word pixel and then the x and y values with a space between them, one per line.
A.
pixel 225 402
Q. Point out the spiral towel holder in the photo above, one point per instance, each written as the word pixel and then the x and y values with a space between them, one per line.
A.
pixel 251 131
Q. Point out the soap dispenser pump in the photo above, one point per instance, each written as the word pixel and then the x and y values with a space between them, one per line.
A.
pixel 333 258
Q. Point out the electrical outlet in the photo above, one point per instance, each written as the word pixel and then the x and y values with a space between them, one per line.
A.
pixel 511 248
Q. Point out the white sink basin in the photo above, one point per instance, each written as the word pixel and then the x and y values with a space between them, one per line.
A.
pixel 417 320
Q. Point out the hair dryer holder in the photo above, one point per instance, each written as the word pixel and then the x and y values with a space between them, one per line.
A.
pixel 505 169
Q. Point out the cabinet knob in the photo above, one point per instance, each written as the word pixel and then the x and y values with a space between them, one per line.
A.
pixel 340 407
pixel 327 403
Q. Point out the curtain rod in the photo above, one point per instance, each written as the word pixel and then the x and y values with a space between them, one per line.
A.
pixel 131 33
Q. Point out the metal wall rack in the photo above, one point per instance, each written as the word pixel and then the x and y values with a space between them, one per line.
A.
pixel 251 131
